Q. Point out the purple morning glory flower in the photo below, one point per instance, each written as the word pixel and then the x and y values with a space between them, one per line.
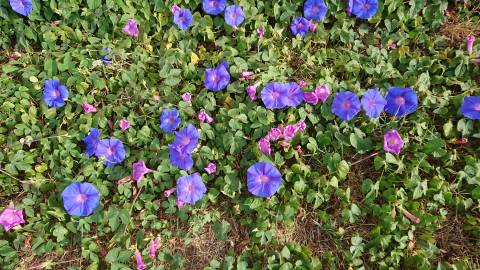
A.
pixel 23 7
pixel 11 217
pixel 91 141
pixel 234 15
pixel 217 78
pixel 179 158
pixel 293 96
pixel 54 93
pixel 211 168
pixel 182 18
pixel 471 107
pixel 113 151
pixel 139 169
pixel 169 120
pixel 190 188
pixel 214 7
pixel 272 95
pixel 299 26
pixel 364 9
pixel 401 101
pixel 104 56
pixel 131 28
pixel 470 40
pixel 314 10
pixel 263 179
pixel 80 199
pixel 186 139
pixel 392 142
pixel 373 103
pixel 346 105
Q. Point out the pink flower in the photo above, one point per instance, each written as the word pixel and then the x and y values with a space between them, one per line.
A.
pixel 261 32
pixel 175 9
pixel 264 146
pixel 300 126
pixel 139 170
pixel 392 142
pixel 124 124
pixel 477 60
pixel 252 91
pixel 88 108
pixel 310 97
pixel 392 46
pixel 302 84
pixel 152 250
pixel 246 75
pixel 131 28
pixel 204 117
pixel 274 134
pixel 322 91
pixel 140 264
pixel 312 27
pixel 11 217
pixel 470 41
pixel 211 168
pixel 180 204
pixel 186 96
pixel 169 192
pixel 289 132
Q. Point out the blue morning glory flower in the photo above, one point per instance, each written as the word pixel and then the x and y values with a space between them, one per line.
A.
pixel 234 15
pixel 104 56
pixel 364 9
pixel 299 26
pixel 401 101
pixel 272 95
pixel 345 105
pixel 23 7
pixel 373 103
pixel 54 93
pixel 186 138
pixel 182 18
pixel 80 199
pixel 217 78
pixel 314 10
pixel 190 188
pixel 471 107
pixel 293 96
pixel 180 158
pixel 169 120
pixel 214 7
pixel 91 141
pixel 263 179
pixel 112 150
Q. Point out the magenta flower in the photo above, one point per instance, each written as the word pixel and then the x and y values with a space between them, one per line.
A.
pixel 392 46
pixel 88 108
pixel 11 217
pixel 152 250
pixel 169 192
pixel 124 124
pixel 264 146
pixel 392 142
pixel 204 117
pixel 211 168
pixel 260 32
pixel 140 264
pixel 175 9
pixel 246 75
pixel 274 134
pixel 186 96
pixel 312 27
pixel 470 41
pixel 310 98
pixel 301 126
pixel 180 204
pixel 131 28
pixel 289 132
pixel 252 91
pixel 322 92
pixel 302 84
pixel 139 170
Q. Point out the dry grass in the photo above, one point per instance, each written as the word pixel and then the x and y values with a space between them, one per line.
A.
pixel 51 261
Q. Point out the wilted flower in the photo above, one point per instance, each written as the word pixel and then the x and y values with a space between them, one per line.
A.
pixel 186 139
pixel 312 27
pixel 169 192
pixel 138 258
pixel 314 10
pixel 322 92
pixel 471 107
pixel 23 7
pixel 261 32
pixel 252 91
pixel 310 98
pixel 182 17
pixel 11 217
pixel 272 95
pixel 470 41
pixel 180 203
pixel 124 124
pixel 139 170
pixel 204 117
pixel 264 146
pixel 392 142
pixel 293 96
pixel 299 26
pixel 246 75
pixel 263 179
pixel 364 9
pixel 190 188
pixel 112 150
pixel 373 103
pixel 169 120
pixel 274 134
pixel 392 46
pixel 217 78
pixel 234 15
pixel 91 141
pixel 54 93
pixel 289 132
pixel 152 250
pixel 131 28
pixel 80 199
pixel 88 108
pixel 104 56
pixel 346 105
pixel 186 96
pixel 300 126
pixel 180 158
pixel 302 84
pixel 401 101
pixel 211 168
pixel 213 7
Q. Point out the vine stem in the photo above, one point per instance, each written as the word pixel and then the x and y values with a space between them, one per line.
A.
pixel 363 159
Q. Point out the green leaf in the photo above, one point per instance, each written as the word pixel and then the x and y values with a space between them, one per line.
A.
pixel 221 230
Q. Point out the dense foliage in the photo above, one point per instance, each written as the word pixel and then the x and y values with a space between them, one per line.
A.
pixel 344 202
